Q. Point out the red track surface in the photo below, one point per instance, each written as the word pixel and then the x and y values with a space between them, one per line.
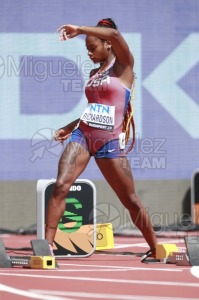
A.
pixel 100 276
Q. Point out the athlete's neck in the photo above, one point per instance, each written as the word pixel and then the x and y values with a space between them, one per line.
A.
pixel 104 66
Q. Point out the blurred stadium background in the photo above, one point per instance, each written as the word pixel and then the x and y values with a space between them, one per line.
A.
pixel 41 89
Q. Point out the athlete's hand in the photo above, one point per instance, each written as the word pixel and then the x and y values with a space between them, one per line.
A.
pixel 62 134
pixel 68 32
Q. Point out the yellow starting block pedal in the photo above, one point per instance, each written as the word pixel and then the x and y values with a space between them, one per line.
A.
pixel 42 262
pixel 104 236
pixel 164 250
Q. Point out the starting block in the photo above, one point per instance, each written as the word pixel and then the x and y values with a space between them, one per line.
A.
pixel 104 236
pixel 191 258
pixel 164 250
pixel 169 253
pixel 42 258
pixel 178 258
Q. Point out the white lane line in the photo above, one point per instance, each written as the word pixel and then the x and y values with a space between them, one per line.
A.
pixel 28 294
pixel 195 271
pixel 108 296
pixel 101 268
pixel 112 280
pixel 106 270
pixel 120 267
pixel 120 246
pixel 145 245
pixel 91 270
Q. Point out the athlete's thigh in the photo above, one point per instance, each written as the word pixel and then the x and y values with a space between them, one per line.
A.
pixel 73 161
pixel 118 174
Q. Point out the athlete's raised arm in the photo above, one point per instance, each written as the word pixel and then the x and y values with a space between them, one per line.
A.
pixel 105 30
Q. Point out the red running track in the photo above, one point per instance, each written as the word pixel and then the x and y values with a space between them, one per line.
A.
pixel 101 276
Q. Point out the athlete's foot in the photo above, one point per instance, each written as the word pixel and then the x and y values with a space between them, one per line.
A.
pixel 51 249
pixel 151 254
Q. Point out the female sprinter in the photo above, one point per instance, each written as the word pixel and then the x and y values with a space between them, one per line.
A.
pixel 103 129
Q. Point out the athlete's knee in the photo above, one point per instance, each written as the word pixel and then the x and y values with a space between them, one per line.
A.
pixel 133 203
pixel 61 187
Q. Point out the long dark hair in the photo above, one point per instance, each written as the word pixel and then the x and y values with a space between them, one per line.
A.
pixel 128 120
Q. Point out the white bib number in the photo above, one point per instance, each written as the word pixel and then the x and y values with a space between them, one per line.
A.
pixel 99 116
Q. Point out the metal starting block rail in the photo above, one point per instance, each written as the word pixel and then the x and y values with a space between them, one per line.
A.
pixel 178 258
pixel 42 258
